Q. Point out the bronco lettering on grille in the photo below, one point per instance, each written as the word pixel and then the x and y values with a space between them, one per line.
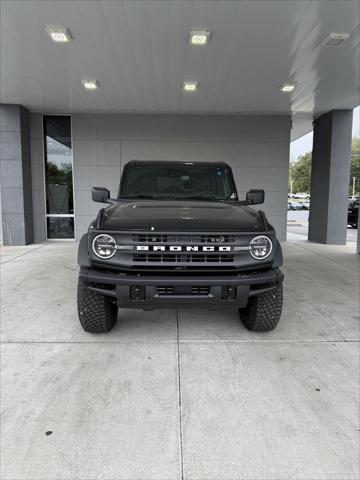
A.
pixel 182 248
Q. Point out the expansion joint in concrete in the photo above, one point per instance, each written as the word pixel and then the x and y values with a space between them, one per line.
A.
pixel 179 397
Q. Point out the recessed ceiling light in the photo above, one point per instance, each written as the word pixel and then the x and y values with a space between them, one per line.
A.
pixel 199 37
pixel 58 34
pixel 288 87
pixel 190 86
pixel 90 84
pixel 335 39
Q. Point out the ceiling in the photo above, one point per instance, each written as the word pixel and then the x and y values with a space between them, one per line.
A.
pixel 139 54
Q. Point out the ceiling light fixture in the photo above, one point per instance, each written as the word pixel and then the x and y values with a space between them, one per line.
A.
pixel 190 86
pixel 90 84
pixel 58 34
pixel 199 37
pixel 288 87
pixel 334 39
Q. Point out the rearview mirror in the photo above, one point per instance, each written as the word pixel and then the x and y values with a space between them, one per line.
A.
pixel 100 194
pixel 255 197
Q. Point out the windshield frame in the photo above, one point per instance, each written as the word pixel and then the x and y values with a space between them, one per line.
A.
pixel 155 163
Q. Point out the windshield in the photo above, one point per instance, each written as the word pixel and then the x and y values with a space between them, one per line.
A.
pixel 178 181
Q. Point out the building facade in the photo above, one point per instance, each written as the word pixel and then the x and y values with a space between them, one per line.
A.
pixel 72 153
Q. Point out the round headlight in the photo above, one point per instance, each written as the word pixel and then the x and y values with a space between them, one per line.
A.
pixel 104 246
pixel 260 247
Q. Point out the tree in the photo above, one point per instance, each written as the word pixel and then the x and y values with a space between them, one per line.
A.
pixel 59 179
pixel 300 170
pixel 355 166
pixel 300 173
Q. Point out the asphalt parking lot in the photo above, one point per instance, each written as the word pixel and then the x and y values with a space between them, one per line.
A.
pixel 298 223
pixel 180 394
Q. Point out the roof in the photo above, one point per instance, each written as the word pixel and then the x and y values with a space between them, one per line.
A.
pixel 138 51
pixel 172 163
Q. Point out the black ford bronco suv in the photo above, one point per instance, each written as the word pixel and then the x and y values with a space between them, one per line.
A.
pixel 177 234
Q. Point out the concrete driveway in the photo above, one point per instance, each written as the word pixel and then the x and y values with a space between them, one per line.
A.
pixel 186 394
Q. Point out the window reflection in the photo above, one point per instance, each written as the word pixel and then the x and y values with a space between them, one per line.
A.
pixel 60 227
pixel 59 176
pixel 59 184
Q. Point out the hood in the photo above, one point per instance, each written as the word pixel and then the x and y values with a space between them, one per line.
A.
pixel 181 216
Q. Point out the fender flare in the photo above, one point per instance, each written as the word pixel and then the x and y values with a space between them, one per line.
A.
pixel 83 252
pixel 278 256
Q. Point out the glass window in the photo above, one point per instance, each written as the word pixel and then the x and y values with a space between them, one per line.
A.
pixel 60 227
pixel 59 177
pixel 178 181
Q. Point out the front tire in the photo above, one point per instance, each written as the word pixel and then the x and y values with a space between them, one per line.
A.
pixel 263 312
pixel 97 313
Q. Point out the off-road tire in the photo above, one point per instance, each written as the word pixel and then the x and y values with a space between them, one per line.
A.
pixel 97 313
pixel 263 312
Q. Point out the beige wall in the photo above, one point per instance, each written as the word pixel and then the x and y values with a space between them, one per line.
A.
pixel 256 147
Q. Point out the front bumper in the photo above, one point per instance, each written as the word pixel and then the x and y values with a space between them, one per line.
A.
pixel 142 291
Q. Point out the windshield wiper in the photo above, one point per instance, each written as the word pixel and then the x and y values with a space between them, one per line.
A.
pixel 201 197
pixel 141 196
pixel 175 197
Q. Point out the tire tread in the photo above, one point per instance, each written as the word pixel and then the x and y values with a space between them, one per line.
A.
pixel 263 312
pixel 97 313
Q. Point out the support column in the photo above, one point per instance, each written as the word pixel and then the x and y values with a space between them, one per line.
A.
pixel 358 234
pixel 15 170
pixel 330 174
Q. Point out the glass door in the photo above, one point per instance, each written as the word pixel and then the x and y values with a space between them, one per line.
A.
pixel 58 177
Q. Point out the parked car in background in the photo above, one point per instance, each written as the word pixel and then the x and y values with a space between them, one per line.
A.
pixel 302 195
pixel 294 205
pixel 353 213
pixel 298 205
pixel 306 205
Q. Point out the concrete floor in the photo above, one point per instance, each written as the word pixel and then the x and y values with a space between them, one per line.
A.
pixel 180 394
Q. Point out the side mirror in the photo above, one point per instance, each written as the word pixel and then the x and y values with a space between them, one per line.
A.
pixel 255 197
pixel 100 194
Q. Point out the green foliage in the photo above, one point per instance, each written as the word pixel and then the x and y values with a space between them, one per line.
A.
pixel 59 184
pixel 300 173
pixel 300 170
pixel 355 166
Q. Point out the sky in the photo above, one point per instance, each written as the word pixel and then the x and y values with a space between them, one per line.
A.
pixel 304 144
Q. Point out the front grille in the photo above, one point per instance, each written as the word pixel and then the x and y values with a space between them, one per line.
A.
pixel 182 290
pixel 200 290
pixel 161 238
pixel 165 290
pixel 181 251
pixel 149 238
pixel 177 258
